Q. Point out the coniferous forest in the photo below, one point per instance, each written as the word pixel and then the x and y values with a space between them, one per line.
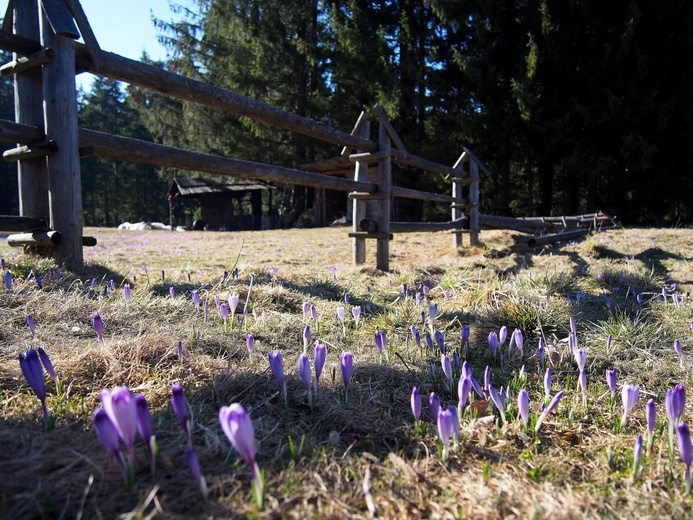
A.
pixel 574 106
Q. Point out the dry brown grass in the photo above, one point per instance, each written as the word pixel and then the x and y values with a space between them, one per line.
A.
pixel 362 457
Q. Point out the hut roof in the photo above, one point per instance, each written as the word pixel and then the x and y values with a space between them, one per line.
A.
pixel 183 186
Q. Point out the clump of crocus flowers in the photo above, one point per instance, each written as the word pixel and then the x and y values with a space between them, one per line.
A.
pixel 32 363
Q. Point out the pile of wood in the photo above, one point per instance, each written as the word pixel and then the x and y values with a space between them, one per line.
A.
pixel 547 230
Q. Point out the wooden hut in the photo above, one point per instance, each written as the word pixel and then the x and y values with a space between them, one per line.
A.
pixel 224 201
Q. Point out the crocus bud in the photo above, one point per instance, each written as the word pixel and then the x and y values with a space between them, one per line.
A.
pixel 445 429
pixel 440 340
pixel 306 337
pixel 611 381
pixel 447 369
pixel 172 292
pixel 144 419
pixel 502 335
pixel 180 408
pixel 523 405
pixel 498 400
pixel 487 377
pixel 121 408
pixel 314 313
pixel 196 299
pixel 304 370
pixel 416 335
pixel 429 340
pixel 465 334
pixel 683 436
pixel 547 383
pixel 347 365
pixel 629 395
pixel 97 323
pixel 33 373
pixel 356 312
pixel 250 344
pixel 677 348
pixel 30 323
pixel 637 456
pixel 233 303
pixel 39 280
pixel 416 403
pixel 277 366
pixel 340 315
pixel 433 406
pixel 107 432
pixel 127 293
pixel 552 405
pixel 194 465
pixel 464 388
pixel 224 311
pixel 320 354
pixel 8 280
pixel 493 342
pixel 650 415
pixel 541 352
pixel 581 358
pixel 238 428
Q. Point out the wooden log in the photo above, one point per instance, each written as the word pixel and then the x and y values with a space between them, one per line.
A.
pixel 60 114
pixel 558 237
pixel 368 225
pixel 38 239
pixel 493 222
pixel 19 65
pixel 134 150
pixel 474 159
pixel 407 193
pixel 43 240
pixel 14 223
pixel 367 156
pixel 390 129
pixel 18 44
pixel 22 153
pixel 363 235
pixel 384 183
pixel 457 207
pixel 149 76
pixel 11 132
pixel 32 173
pixel 424 164
pixel 362 119
pixel 426 227
pixel 359 209
pixel 359 195
pixel 461 206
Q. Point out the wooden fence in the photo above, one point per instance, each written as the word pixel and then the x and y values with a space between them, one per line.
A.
pixel 42 35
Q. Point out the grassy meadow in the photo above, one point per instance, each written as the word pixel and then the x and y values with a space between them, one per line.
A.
pixel 362 456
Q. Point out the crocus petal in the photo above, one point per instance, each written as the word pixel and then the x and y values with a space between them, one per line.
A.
pixel 277 366
pixel 144 418
pixel 347 364
pixel 683 436
pixel 121 408
pixel 433 405
pixel 180 406
pixel 108 433
pixel 236 424
pixel 320 354
pixel 46 361
pixel 304 370
pixel 416 403
pixel 33 372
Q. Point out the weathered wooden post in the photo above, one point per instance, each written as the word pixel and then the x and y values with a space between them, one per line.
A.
pixel 457 193
pixel 60 122
pixel 359 205
pixel 32 173
pixel 474 202
pixel 384 190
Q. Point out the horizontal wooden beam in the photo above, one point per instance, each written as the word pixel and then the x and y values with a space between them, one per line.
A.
pixel 18 44
pixel 43 240
pixel 134 150
pixel 148 76
pixel 14 223
pixel 27 62
pixel 557 237
pixel 357 195
pixel 420 227
pixel 368 156
pixel 407 193
pixel 11 132
pixel 364 234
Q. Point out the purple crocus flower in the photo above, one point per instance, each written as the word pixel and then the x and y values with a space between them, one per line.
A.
pixel 277 366
pixel 432 311
pixel 547 383
pixel 487 377
pixel 573 328
pixel 194 465
pixel 180 408
pixel 380 341
pixel 217 301
pixel 493 342
pixel 107 432
pixel 356 313
pixel 8 280
pixel 416 403
pixel 429 340
pixel 304 370
pixel 455 422
pixel 144 418
pixel 33 373
pixel 611 382
pixel 205 309
pixel 416 335
pixel 196 299
pixel 683 436
pixel 629 395
pixel 314 313
pixel 523 405
pixel 581 358
pixel 498 400
pixel 541 353
pixel 677 348
pixel 224 311
pixel 346 298
pixel 121 407
pixel 179 351
pixel 39 280
pixel 464 388
pixel 306 310
pixel 446 294
pixel 306 337
pixel 319 360
pixel 464 336
pixel 519 340
pixel 172 292
pixel 651 419
pixel 46 362
pixel 233 303
pixel 236 424
pixel 425 289
pixel 418 297
pixel 445 429
pixel 250 344
pixel 127 293
pixel 456 360
pixel 347 365
pixel 447 370
pixel 502 335
pixel 30 323
pixel 434 405
pixel 637 456
pixel 97 323
pixel 440 340
pixel 341 314
pixel 551 406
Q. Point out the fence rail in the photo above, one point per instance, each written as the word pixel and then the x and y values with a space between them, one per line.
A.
pixel 58 142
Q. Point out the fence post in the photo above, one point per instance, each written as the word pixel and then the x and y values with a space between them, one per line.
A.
pixel 32 174
pixel 458 194
pixel 474 202
pixel 60 116
pixel 384 185
pixel 359 205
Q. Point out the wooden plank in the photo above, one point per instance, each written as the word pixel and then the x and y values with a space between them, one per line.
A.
pixel 24 63
pixel 367 156
pixel 558 237
pixel 60 114
pixel 475 159
pixel 60 18
pixel 149 76
pixel 423 164
pixel 358 195
pixel 14 223
pixel 92 45
pixel 390 129
pixel 134 150
pixel 39 239
pixel 426 227
pixel 362 235
pixel 23 153
pixel 32 174
pixel 11 132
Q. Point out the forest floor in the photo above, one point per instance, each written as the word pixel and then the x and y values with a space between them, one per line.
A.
pixel 355 454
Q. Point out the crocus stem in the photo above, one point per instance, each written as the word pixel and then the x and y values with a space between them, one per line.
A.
pixel 130 469
pixel 258 486
pixel 153 453
pixel 46 416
